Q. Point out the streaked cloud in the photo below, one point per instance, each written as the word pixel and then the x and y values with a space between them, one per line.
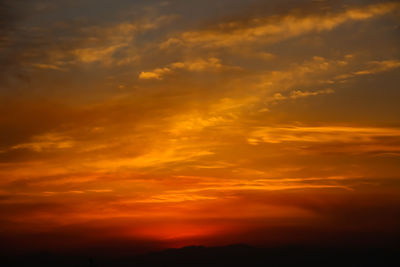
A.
pixel 278 28
pixel 48 141
pixel 197 65
pixel 298 93
pixel 321 134
pixel 379 66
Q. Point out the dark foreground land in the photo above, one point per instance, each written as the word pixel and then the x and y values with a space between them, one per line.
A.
pixel 234 255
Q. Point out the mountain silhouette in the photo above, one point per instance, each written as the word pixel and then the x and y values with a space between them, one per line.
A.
pixel 233 255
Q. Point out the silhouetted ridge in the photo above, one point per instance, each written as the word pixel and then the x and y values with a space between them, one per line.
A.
pixel 233 255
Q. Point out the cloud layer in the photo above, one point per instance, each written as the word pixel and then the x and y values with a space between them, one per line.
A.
pixel 158 124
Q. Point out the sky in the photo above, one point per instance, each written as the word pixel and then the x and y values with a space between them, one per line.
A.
pixel 172 123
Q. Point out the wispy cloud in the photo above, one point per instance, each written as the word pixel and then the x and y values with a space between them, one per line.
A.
pixel 197 65
pixel 345 138
pixel 48 141
pixel 295 94
pixel 299 94
pixel 379 66
pixel 274 29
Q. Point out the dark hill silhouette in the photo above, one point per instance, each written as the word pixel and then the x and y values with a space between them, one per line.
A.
pixel 233 255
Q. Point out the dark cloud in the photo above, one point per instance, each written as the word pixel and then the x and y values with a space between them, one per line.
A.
pixel 8 58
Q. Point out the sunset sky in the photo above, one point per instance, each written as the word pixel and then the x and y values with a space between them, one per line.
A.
pixel 165 123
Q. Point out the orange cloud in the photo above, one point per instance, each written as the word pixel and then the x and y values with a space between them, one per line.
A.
pixel 197 65
pixel 105 135
pixel 298 93
pixel 379 66
pixel 48 141
pixel 325 134
pixel 277 28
